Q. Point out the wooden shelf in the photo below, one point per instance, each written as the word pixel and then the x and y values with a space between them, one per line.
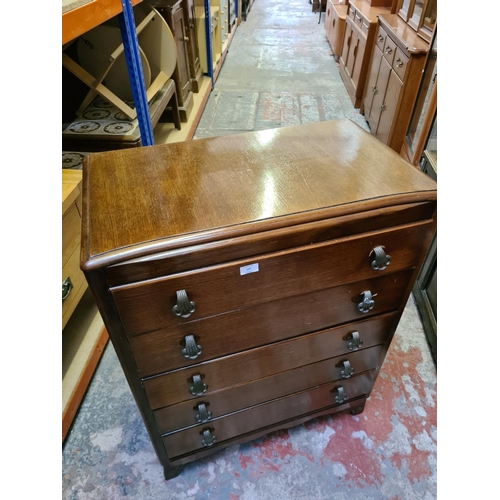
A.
pixel 83 341
pixel 83 18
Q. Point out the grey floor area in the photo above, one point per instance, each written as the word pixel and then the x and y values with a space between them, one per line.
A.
pixel 279 71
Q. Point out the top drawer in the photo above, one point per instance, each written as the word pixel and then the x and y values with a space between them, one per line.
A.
pixel 352 12
pixel 158 303
pixel 389 50
pixel 400 63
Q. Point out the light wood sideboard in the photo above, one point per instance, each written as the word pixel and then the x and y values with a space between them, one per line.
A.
pixel 394 75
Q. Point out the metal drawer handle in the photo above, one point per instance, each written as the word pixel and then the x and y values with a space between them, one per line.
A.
pixel 381 260
pixel 380 38
pixel 341 395
pixel 358 18
pixel 198 388
pixel 399 62
pixel 184 307
pixel 367 302
pixel 388 50
pixel 203 414
pixel 383 107
pixel 208 438
pixel 374 89
pixel 354 341
pixel 348 370
pixel 67 286
pixel 333 22
pixel 192 349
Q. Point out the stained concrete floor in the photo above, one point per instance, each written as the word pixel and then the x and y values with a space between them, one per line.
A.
pixel 278 72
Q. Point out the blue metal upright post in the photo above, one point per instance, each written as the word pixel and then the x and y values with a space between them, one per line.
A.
pixel 136 76
pixel 208 39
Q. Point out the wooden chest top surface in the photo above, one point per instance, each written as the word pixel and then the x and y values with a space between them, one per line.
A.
pixel 246 180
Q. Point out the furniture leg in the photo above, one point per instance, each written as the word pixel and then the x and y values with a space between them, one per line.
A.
pixel 358 409
pixel 172 471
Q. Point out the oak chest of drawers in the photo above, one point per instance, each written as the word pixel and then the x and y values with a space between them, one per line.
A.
pixel 254 281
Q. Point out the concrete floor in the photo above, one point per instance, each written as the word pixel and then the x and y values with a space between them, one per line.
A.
pixel 278 72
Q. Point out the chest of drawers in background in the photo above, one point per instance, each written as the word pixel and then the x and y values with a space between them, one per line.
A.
pixel 252 282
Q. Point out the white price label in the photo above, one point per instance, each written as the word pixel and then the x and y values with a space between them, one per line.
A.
pixel 251 268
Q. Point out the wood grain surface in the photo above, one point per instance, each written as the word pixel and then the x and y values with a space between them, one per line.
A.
pixel 158 192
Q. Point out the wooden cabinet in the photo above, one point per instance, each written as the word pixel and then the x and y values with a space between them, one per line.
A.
pixel 425 109
pixel 202 41
pixel 250 295
pixel 73 280
pixel 425 288
pixel 359 35
pixel 174 13
pixel 335 26
pixel 394 76
pixel 222 21
pixel 193 49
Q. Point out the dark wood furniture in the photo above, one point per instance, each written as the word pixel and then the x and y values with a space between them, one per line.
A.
pixel 394 76
pixel 359 36
pixel 193 50
pixel 174 13
pixel 252 282
pixel 425 288
pixel 425 110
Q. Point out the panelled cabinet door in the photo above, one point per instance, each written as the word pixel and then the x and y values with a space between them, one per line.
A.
pixel 371 84
pixel 388 108
pixel 193 50
pixel 353 51
pixel 379 97
pixel 347 41
pixel 358 61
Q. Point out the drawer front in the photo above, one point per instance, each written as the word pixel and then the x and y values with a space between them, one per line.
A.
pixel 365 27
pixel 265 415
pixel 72 271
pixel 352 12
pixel 71 223
pixel 151 305
pixel 400 63
pixel 389 50
pixel 380 38
pixel 174 386
pixel 227 401
pixel 161 351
